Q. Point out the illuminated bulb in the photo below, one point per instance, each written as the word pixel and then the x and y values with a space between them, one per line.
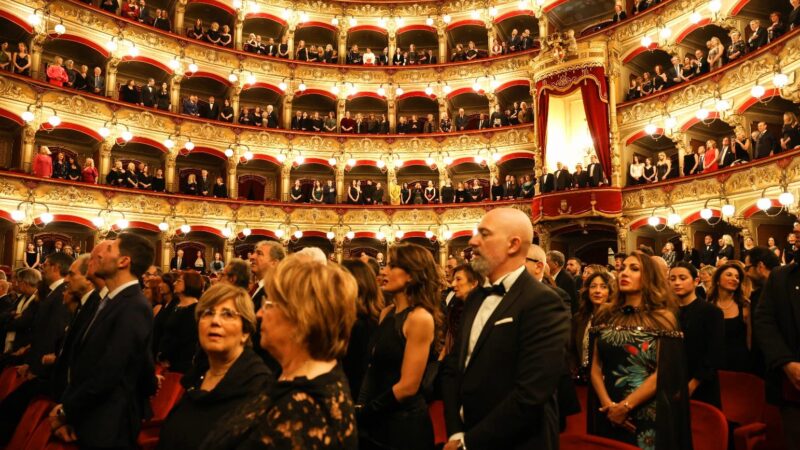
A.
pixel 227 232
pixel 706 213
pixel 133 52
pixel 237 4
pixel 780 80
pixel 233 78
pixel 380 235
pixel 303 18
pixel 353 22
pixel 330 235
pixel 174 64
pixel 495 84
pixel 429 161
pixel 18 215
pixel 429 91
pixel 475 14
pixel 169 143
pixel 382 22
pixel 104 132
pixel 382 91
pixel 331 161
pixel 493 11
pixel 46 218
pixel 476 87
pixel 380 164
pixel 673 219
pixel 185 228
pixel 350 235
pixel 722 105
pixel 653 221
pixel 335 90
pixel 286 13
pixel 702 114
pixel 400 21
pixel 247 232
pixel 429 234
pixel 728 210
pixel 127 136
pixel 248 155
pixel 695 18
pixel 447 89
pixel 786 199
pixel 34 19
pixel 335 22
pixel 650 129
pixel 398 163
pixel 281 158
pixel 279 233
pixel 496 156
pixel 27 116
pixel 479 159
pixel 298 234
pixel 646 41
pixel 429 21
pixel 351 162
pixel 255 7
pixel 302 87
pixel 351 89
pixel 665 33
pixel 399 234
pixel 98 222
pixel 764 203
pixel 399 91
pixel 474 231
pixel 448 234
pixel 228 152
pixel 163 226
pixel 715 6
pixel 122 224
pixel 448 160
pixel 446 18
pixel 111 45
pixel 522 4
pixel 300 160
pixel 282 86
pixel 189 145
pixel 670 122
pixel 54 120
pixel 60 29
pixel 193 68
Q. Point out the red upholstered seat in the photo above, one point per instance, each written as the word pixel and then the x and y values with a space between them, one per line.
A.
pixel 588 442
pixel 40 437
pixel 709 427
pixel 161 403
pixel 743 404
pixel 436 411
pixel 34 414
pixel 9 380
pixel 576 423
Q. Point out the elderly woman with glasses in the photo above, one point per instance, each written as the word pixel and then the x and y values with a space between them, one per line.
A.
pixel 229 374
pixel 305 326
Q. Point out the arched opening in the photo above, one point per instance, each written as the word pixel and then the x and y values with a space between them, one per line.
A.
pixel 716 228
pixel 413 172
pixel 367 37
pixel 418 104
pixel 645 61
pixel 367 245
pixel 590 242
pixel 76 49
pixel 265 25
pixel 459 247
pixel 648 148
pixel 509 98
pixel 204 86
pixel 369 176
pixel 71 143
pixel 211 160
pixel 473 103
pixel 64 231
pixel 700 133
pixel 466 170
pixel 141 72
pixel 423 37
pixel 696 39
pixel 769 111
pixel 464 32
pixel 761 9
pixel 315 34
pixel 368 107
pixel 10 141
pixel 14 30
pixel 519 166
pixel 311 239
pixel 432 245
pixel 311 101
pixel 580 16
pixel 207 12
pixel 262 95
pixel 311 170
pixel 525 24
pixel 142 152
pixel 201 242
pixel 258 180
pixel 775 224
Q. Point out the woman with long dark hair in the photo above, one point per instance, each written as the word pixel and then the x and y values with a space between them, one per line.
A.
pixel 598 289
pixel 633 337
pixel 392 411
pixel 728 294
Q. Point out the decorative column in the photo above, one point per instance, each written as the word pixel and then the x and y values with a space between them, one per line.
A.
pixel 491 33
pixel 28 148
pixel 177 21
pixel 392 43
pixel 544 236
pixel 543 31
pixel 286 182
pixel 238 26
pixel 493 101
pixel 391 110
pixel 442 101
pixel 441 31
pixel 391 185
pixel 617 176
pixel 233 179
pixel 170 178
pixel 338 248
pixel 111 78
pixel 20 246
pixel 104 165
pixel 341 195
pixel 444 248
pixel 287 110
pixel 227 250
pixel 166 252
pixel 682 142
pixel 622 235
pixel 37 48
pixel 235 92
pixel 175 94
pixel 342 43
pixel 290 38
pixel 341 107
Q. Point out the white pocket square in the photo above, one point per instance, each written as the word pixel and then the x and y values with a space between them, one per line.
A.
pixel 502 321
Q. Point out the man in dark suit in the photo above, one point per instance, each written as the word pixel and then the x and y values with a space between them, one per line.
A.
pixel 596 175
pixel 776 329
pixel 580 178
pixel 484 122
pixel 211 111
pixel 271 48
pixel 546 183
pixel 111 371
pixel 265 257
pixel 204 183
pixel 500 380
pixel 727 155
pixel 526 42
pixel 461 120
pixel 619 13
pixel 270 117
pixel 148 95
pixel 178 262
pixel 97 82
pixel 329 193
pixel 19 330
pixel 708 254
pixel 563 179
pixel 556 262
pixel 759 37
pixel 766 144
pixel 675 72
pixel 701 64
pixel 40 250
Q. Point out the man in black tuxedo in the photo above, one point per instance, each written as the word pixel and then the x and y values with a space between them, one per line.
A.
pixel 727 155
pixel 270 117
pixel 556 262
pixel 111 370
pixel 766 144
pixel 461 120
pixel 708 254
pixel 40 250
pixel 178 262
pixel 265 257
pixel 18 331
pixel 484 122
pixel 97 82
pixel 500 379
pixel 204 183
pixel 270 48
pixel 329 193
pixel 619 13
pixel 148 95
pixel 211 111
pixel 563 179
pixel 596 175
pixel 701 64
pixel 759 37
pixel 546 183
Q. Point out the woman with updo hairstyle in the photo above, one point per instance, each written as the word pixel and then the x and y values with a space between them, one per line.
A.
pixel 598 289
pixel 393 411
pixel 368 310
pixel 306 318
pixel 632 338
pixel 228 373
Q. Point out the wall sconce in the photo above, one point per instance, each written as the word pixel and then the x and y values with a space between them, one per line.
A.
pixel 242 150
pixel 785 199
pixel 672 219
pixel 25 214
pixel 171 225
pixel 40 19
pixel 233 230
pixel 120 133
pixel 183 66
pixel 172 140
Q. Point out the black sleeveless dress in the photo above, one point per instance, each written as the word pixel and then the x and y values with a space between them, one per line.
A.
pixel 737 356
pixel 402 425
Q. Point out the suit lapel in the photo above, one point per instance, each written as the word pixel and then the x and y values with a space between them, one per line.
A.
pixel 470 311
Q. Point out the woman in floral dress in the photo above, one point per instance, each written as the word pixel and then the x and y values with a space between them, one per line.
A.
pixel 636 334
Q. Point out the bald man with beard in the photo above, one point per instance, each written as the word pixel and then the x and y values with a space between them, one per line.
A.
pixel 500 379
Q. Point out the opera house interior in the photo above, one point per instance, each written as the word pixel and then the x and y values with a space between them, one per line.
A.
pixel 209 126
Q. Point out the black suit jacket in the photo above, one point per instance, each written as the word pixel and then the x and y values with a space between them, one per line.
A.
pixel 112 373
pixel 546 183
pixel 99 84
pixel 708 255
pixel 766 143
pixel 485 123
pixel 461 122
pixel 148 96
pixel 271 119
pixel 173 263
pixel 508 390
pixel 726 157
pixel 563 179
pixel 703 66
pixel 596 175
pixel 580 179
pixel 76 327
pixel 776 326
pixel 49 323
pixel 794 18
pixel 566 282
pixel 619 17
pixel 758 39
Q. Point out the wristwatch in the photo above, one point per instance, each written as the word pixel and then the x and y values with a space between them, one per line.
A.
pixel 60 413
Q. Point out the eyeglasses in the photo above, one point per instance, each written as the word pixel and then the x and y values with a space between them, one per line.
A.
pixel 533 260
pixel 267 305
pixel 225 314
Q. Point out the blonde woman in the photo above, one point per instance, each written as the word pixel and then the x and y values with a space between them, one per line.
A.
pixel 89 172
pixel 131 178
pixel 663 167
pixel 725 253
pixel 790 136
pixel 715 52
pixel 191 185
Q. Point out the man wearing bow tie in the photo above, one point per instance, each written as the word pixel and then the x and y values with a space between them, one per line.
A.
pixel 708 255
pixel 500 380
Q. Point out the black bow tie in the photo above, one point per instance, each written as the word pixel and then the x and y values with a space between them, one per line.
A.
pixel 495 289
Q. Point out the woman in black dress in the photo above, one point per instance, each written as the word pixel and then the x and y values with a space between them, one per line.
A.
pixel 220 190
pixel 354 193
pixel 496 191
pixel 60 166
pixel 196 32
pixel 297 192
pixel 377 197
pixel 145 180
pixel 129 94
pixel 31 257
pixel 461 193
pixel 179 342
pixel 162 98
pixel 131 178
pixel 191 185
pixel 393 409
pixel 158 183
pixel 22 60
pixel 691 163
pixel 476 192
pixel 726 293
pixel 73 169
pixel 447 193
pixel 405 194
pixel 649 171
pixel 226 114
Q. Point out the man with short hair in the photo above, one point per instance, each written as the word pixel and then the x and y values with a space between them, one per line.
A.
pixel 97 82
pixel 178 262
pixel 500 388
pixel 461 120
pixel 758 264
pixel 759 37
pixel 265 258
pixel 701 63
pixel 58 247
pixel 237 272
pixel 111 369
pixel 708 254
pixel 618 259
pixel 18 331
pixel 704 335
pixel 766 143
pixel 573 267
pixel 555 260
pixel 211 110
pixel 148 95
pixel 794 16
pixel 596 175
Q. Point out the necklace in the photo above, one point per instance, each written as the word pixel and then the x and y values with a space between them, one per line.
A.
pixel 730 304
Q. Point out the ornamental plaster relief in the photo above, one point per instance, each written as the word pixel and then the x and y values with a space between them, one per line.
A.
pixel 414 217
pixel 261 213
pixel 70 196
pixel 314 216
pixel 366 217
pixel 142 204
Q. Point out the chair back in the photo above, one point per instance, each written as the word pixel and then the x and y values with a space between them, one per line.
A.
pixel 436 411
pixel 709 427
pixel 589 442
pixel 167 396
pixel 37 410
pixel 743 399
pixel 9 380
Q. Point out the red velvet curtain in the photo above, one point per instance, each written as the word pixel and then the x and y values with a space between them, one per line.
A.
pixel 597 118
pixel 542 110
